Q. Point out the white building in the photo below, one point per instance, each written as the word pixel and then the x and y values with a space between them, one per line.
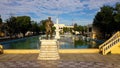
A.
pixel 61 26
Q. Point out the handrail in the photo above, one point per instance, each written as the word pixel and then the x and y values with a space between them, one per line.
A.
pixel 117 34
pixel 107 48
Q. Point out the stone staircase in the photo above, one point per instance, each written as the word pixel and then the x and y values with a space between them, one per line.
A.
pixel 111 45
pixel 48 50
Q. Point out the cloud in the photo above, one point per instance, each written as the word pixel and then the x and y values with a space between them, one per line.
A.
pixel 96 4
pixel 42 5
pixel 40 9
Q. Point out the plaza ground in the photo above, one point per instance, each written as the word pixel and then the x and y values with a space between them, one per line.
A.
pixel 93 60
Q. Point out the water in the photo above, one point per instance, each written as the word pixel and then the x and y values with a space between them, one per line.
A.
pixel 77 42
pixel 74 42
pixel 24 43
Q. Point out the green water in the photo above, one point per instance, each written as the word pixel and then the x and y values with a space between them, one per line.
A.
pixel 78 43
pixel 24 43
pixel 64 43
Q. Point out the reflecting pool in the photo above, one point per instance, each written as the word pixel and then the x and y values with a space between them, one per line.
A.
pixel 23 43
pixel 77 42
pixel 66 42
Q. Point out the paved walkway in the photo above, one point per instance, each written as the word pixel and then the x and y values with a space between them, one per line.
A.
pixel 66 61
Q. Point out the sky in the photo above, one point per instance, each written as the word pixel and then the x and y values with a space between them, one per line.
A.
pixel 68 12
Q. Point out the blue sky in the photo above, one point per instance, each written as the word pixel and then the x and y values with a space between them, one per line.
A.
pixel 81 12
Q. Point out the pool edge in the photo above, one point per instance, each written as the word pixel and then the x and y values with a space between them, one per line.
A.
pixel 24 51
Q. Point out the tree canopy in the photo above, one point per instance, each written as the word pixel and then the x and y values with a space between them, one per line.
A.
pixel 11 25
pixel 24 23
pixel 42 25
pixel 35 28
pixel 80 28
pixel 0 19
pixel 18 24
pixel 107 20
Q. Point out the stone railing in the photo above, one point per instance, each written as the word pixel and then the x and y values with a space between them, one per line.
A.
pixel 106 46
pixel 116 35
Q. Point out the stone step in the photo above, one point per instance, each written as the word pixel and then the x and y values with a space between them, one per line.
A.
pixel 48 58
pixel 48 53
pixel 42 56
pixel 48 50
pixel 48 46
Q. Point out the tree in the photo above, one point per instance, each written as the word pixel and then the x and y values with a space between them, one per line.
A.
pixel 117 16
pixel 53 29
pixel 1 27
pixel 0 19
pixel 65 29
pixel 107 21
pixel 0 24
pixel 75 27
pixel 35 28
pixel 18 24
pixel 117 7
pixel 81 29
pixel 42 25
pixel 24 23
pixel 103 21
pixel 12 26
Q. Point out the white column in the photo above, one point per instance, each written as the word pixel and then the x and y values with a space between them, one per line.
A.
pixel 57 36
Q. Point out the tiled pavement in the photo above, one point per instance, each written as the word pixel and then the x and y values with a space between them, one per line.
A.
pixel 56 64
pixel 66 61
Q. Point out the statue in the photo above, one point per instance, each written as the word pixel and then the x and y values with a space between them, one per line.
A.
pixel 48 27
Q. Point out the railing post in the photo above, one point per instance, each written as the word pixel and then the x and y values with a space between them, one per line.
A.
pixel 103 51
pixel 1 49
